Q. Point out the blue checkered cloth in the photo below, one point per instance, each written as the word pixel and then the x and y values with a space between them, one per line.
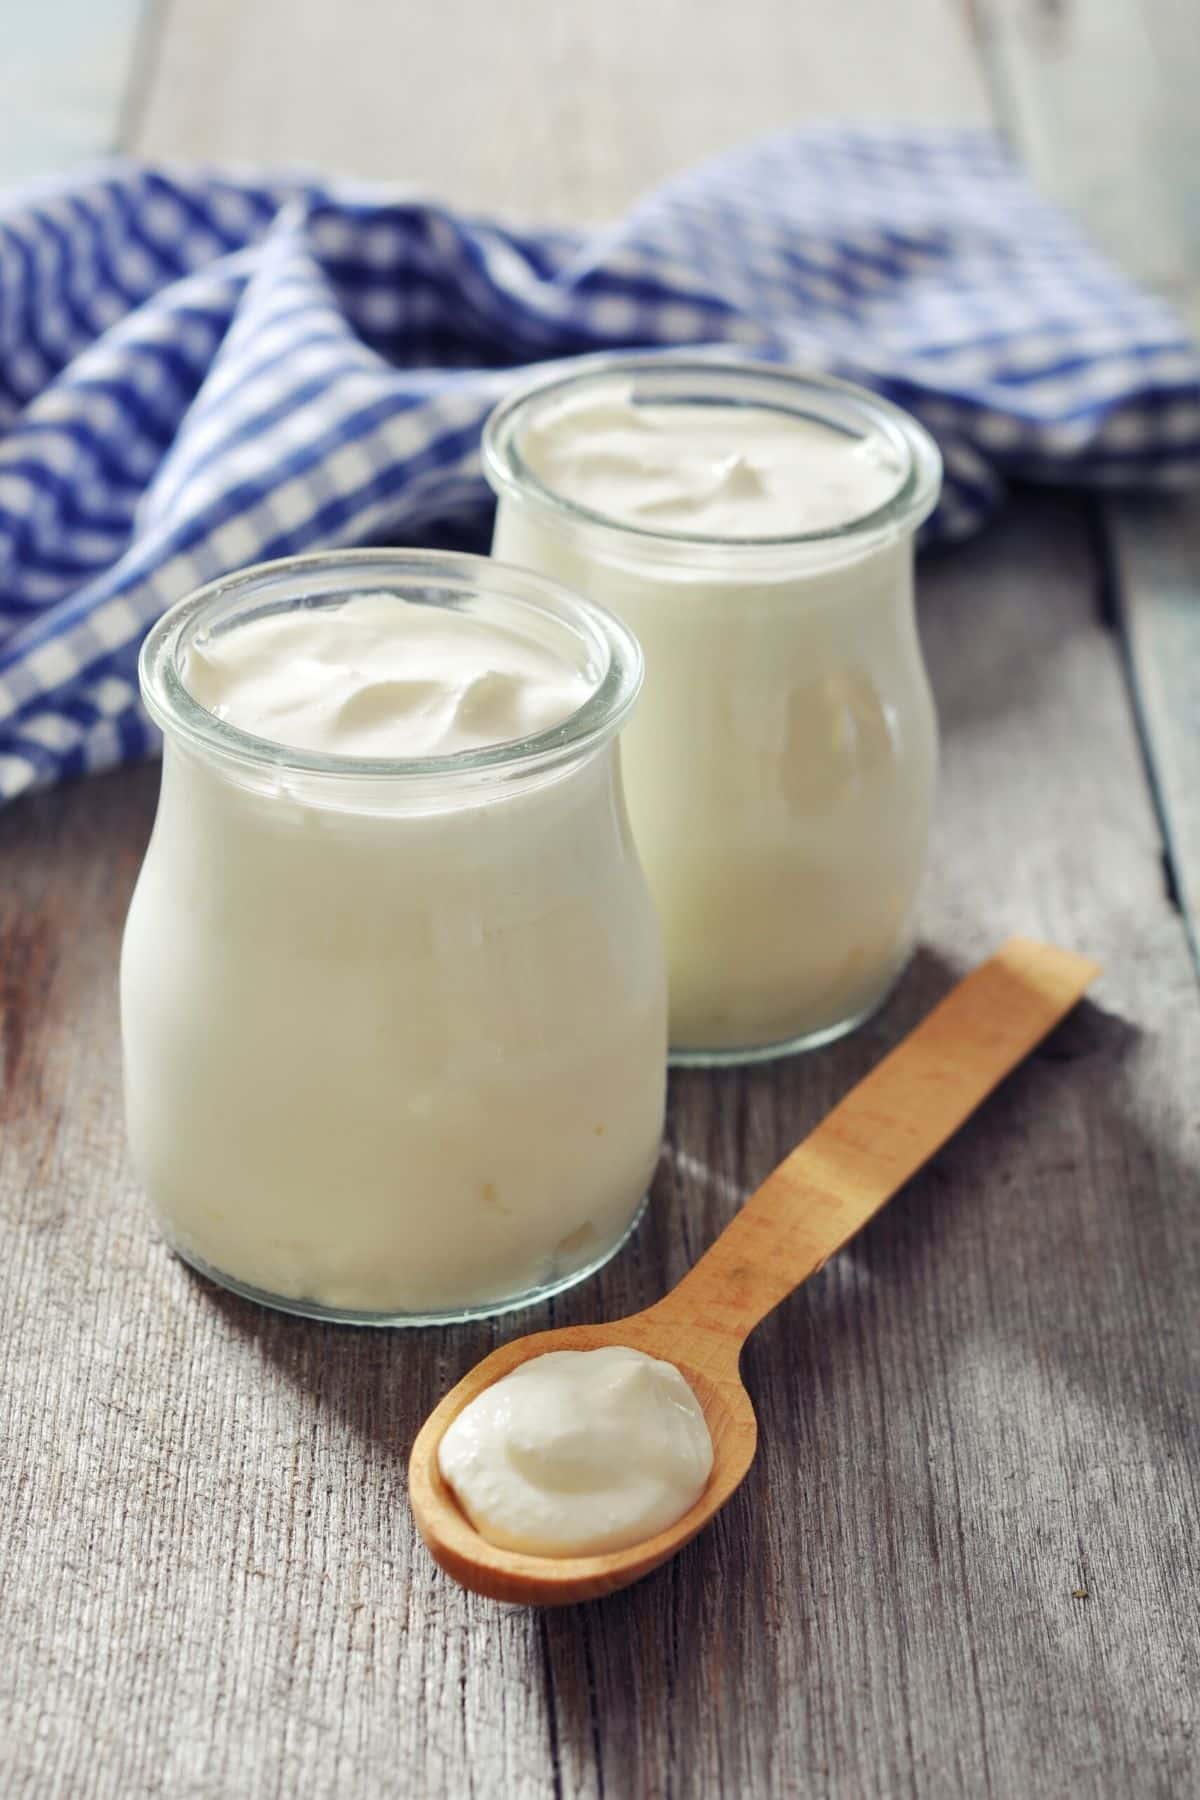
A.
pixel 199 371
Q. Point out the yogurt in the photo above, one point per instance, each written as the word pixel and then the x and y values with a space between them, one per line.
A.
pixel 392 986
pixel 755 529
pixel 579 1452
pixel 381 676
pixel 725 472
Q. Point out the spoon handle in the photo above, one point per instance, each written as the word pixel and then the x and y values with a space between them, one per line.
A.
pixel 865 1150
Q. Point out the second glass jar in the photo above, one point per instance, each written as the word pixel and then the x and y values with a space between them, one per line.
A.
pixel 780 774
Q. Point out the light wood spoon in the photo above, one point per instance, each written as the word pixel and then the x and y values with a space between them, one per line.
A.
pixel 814 1202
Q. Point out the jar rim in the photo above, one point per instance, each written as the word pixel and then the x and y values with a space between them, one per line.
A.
pixel 438 577
pixel 726 381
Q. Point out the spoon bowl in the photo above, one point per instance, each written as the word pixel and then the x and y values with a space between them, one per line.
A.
pixel 458 1548
pixel 816 1200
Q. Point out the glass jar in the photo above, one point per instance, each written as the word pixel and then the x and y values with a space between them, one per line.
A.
pixel 781 771
pixel 394 1032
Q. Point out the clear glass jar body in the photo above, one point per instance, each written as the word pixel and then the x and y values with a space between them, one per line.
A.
pixel 394 1034
pixel 782 768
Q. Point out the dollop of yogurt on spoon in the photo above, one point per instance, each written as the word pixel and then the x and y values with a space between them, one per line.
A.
pixel 579 1452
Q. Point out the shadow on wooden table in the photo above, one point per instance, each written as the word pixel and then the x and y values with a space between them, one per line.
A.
pixel 935 1409
pixel 726 1129
pixel 959 1370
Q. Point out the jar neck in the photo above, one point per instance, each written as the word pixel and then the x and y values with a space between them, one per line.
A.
pixel 579 545
pixel 599 646
pixel 254 784
pixel 667 380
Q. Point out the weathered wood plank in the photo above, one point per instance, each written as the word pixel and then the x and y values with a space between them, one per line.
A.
pixel 64 75
pixel 1101 100
pixel 561 112
pixel 212 1581
pixel 968 1417
pixel 1154 563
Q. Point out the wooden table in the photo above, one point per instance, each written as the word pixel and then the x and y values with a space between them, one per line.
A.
pixel 965 1562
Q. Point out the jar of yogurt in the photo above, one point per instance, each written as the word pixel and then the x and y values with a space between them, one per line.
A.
pixel 755 528
pixel 393 995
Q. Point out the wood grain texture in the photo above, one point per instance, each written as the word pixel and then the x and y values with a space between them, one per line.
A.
pixel 212 1584
pixel 890 1124
pixel 982 1409
pixel 1100 100
pixel 824 1191
pixel 1154 564
pixel 548 110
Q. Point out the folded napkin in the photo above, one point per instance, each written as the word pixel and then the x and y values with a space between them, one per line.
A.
pixel 198 371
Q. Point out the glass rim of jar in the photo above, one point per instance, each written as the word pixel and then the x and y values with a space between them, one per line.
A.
pixel 314 575
pixel 781 387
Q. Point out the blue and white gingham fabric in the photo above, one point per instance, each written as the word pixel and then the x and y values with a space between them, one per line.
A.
pixel 199 371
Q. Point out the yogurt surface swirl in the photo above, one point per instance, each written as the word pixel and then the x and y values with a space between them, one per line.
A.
pixel 382 676
pixel 713 471
pixel 394 1049
pixel 754 527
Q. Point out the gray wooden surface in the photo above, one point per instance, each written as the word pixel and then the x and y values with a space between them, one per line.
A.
pixel 539 107
pixel 66 71
pixel 1100 99
pixel 965 1562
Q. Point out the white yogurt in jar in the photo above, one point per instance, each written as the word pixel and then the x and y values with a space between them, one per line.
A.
pixel 394 1031
pixel 725 472
pixel 381 676
pixel 755 530
pixel 579 1452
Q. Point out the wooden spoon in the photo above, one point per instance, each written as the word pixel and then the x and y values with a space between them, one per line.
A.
pixel 824 1192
